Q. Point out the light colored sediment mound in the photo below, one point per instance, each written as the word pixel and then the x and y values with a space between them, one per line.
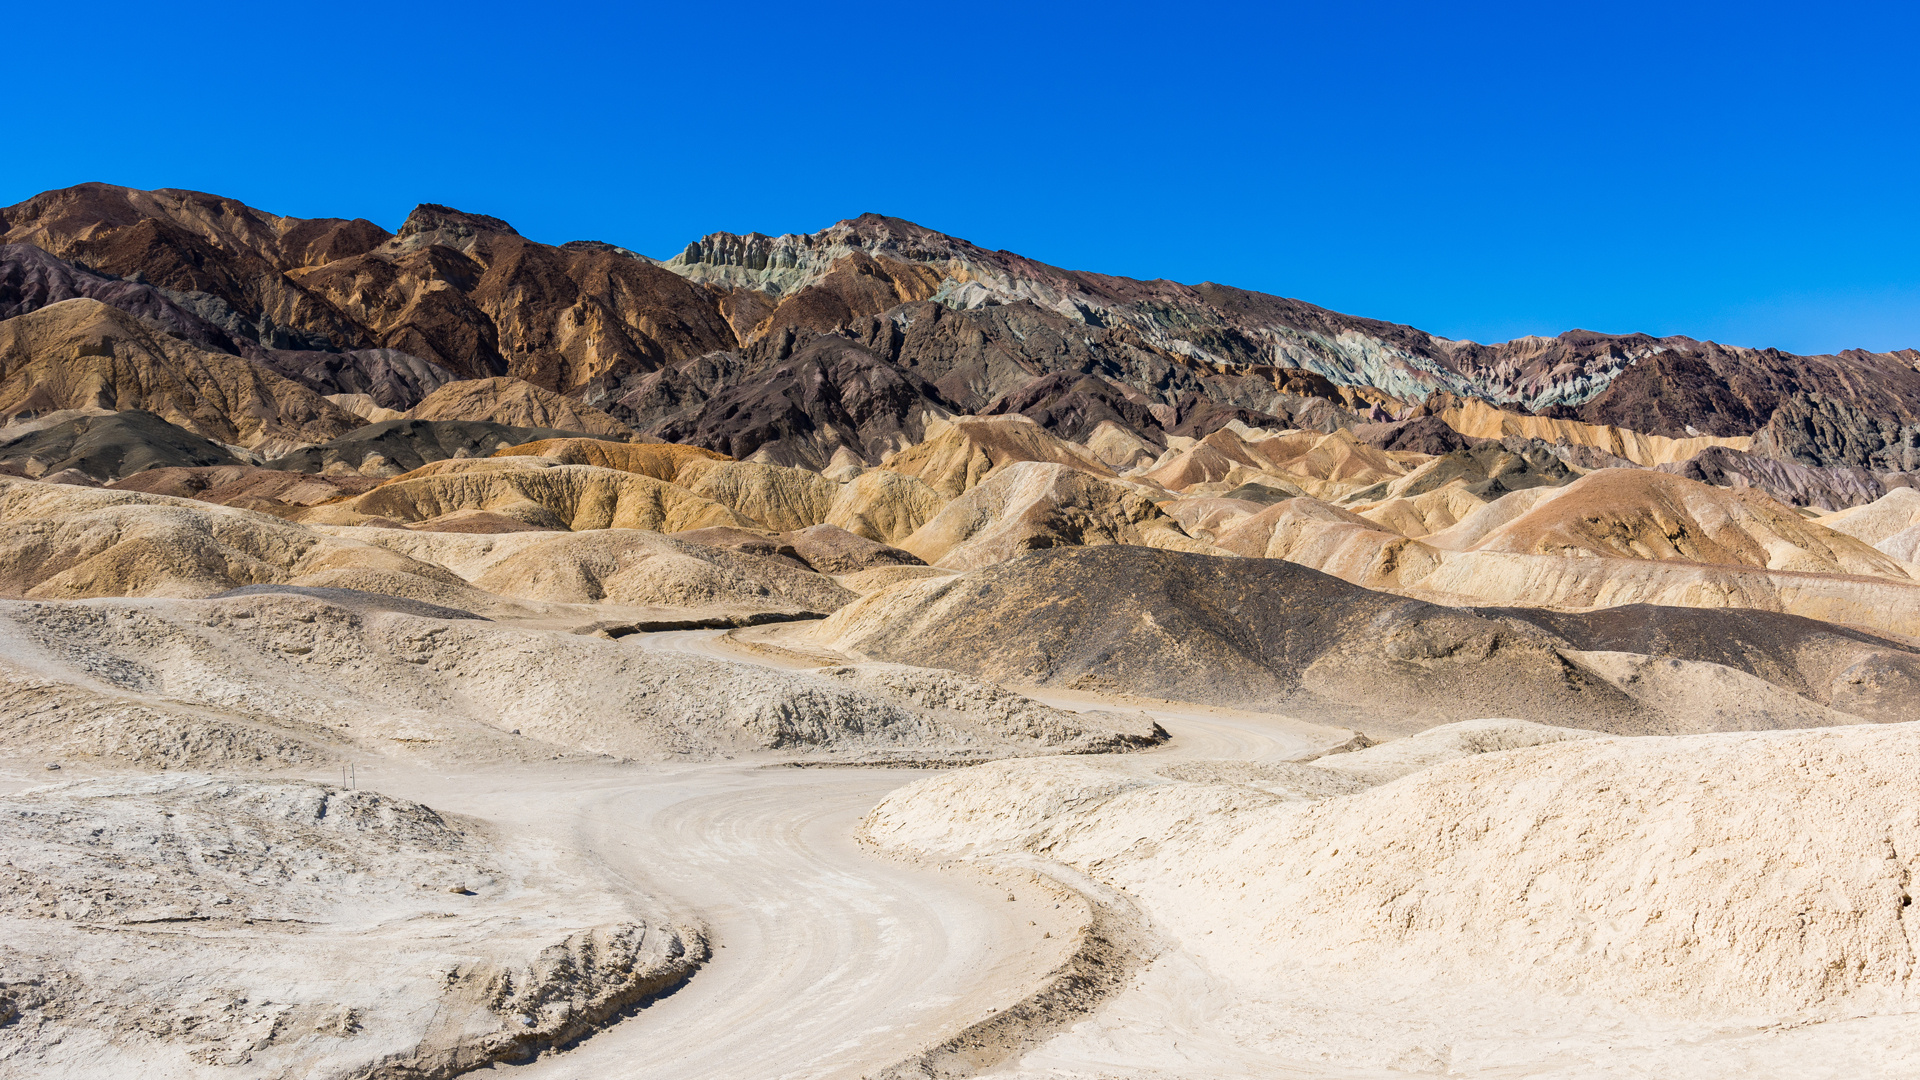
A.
pixel 1030 505
pixel 1483 421
pixel 772 496
pixel 1382 762
pixel 613 566
pixel 884 505
pixel 1120 449
pixel 327 678
pixel 364 407
pixel 959 453
pixel 662 461
pixel 1326 466
pixel 83 354
pixel 1903 545
pixel 1747 878
pixel 1573 584
pixel 517 402
pixel 475 521
pixel 1210 515
pixel 1881 519
pixel 1643 514
pixel 245 486
pixel 881 577
pixel 1426 513
pixel 556 496
pixel 191 926
pixel 58 541
pixel 1331 540
pixel 1477 524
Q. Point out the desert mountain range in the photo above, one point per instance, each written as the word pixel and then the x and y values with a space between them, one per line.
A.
pixel 1247 636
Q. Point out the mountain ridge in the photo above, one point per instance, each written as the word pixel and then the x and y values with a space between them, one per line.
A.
pixel 464 293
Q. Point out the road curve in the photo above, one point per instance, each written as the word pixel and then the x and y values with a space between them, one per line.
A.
pixel 827 960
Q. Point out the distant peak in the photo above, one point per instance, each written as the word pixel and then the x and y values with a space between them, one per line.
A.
pixel 432 218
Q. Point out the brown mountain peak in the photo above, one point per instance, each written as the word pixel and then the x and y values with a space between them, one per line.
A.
pixel 432 223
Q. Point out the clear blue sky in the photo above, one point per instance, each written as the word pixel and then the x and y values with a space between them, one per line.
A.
pixel 1743 172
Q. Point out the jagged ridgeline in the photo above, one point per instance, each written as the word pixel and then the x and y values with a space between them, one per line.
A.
pixel 834 347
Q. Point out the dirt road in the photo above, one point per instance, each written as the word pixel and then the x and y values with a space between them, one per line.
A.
pixel 827 961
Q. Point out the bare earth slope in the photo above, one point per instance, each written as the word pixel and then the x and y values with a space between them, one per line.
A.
pixel 1258 633
pixel 1710 906
pixel 333 932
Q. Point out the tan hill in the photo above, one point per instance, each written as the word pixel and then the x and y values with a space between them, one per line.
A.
pixel 1209 516
pixel 1890 514
pixel 1642 514
pixel 65 542
pixel 1333 541
pixel 515 402
pixel 1482 421
pixel 82 354
pixel 1574 584
pixel 622 567
pixel 1426 513
pixel 1324 465
pixel 662 461
pixel 571 497
pixel 778 498
pixel 1030 505
pixel 960 453
pixel 884 505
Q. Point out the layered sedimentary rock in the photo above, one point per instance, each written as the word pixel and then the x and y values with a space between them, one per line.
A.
pixel 82 354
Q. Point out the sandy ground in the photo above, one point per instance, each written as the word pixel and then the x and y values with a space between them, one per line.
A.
pixel 827 960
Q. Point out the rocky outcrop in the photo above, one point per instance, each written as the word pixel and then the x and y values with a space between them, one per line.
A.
pixel 1072 405
pixel 790 400
pixel 463 291
pixel 1833 487
pixel 389 377
pixel 558 317
pixel 31 279
pixel 515 403
pixel 82 354
pixel 1823 430
pixel 1488 469
pixel 1421 435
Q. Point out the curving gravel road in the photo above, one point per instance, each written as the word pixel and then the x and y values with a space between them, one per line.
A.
pixel 827 960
